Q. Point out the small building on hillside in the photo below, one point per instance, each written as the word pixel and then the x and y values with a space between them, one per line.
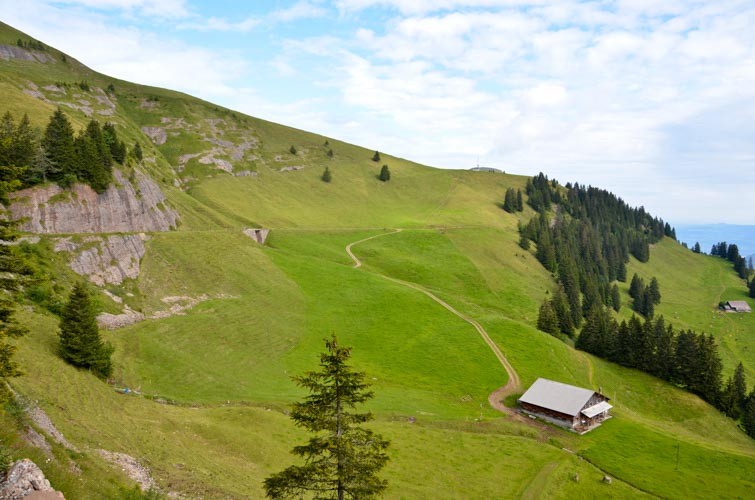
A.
pixel 737 306
pixel 565 405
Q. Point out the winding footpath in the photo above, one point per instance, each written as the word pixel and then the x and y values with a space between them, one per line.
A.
pixel 496 397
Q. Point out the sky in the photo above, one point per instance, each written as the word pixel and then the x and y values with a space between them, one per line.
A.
pixel 653 100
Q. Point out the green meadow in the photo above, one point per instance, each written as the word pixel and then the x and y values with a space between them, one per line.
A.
pixel 213 387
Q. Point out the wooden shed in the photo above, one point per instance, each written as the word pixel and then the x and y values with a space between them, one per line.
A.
pixel 565 405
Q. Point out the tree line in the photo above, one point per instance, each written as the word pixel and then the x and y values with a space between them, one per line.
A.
pixel 684 358
pixel 586 244
pixel 731 253
pixel 29 156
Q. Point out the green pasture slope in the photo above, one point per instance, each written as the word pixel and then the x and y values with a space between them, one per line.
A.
pixel 215 381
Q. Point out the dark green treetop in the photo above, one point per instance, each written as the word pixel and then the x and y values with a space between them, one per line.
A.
pixel 80 342
pixel 385 174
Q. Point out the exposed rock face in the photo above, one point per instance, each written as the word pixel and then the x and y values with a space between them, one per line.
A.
pixel 23 479
pixel 157 134
pixel 111 260
pixel 8 52
pixel 123 208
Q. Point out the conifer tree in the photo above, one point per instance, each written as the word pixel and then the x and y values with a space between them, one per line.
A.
pixel 696 247
pixel 326 175
pixel 636 287
pixel 58 143
pixel 138 152
pixel 615 298
pixel 80 342
pixel 740 385
pixel 748 415
pixel 654 291
pixel 519 201
pixel 752 288
pixel 376 157
pixel 524 241
pixel 561 307
pixel 292 150
pixel 117 148
pixel 385 174
pixel 547 321
pixel 728 402
pixel 343 459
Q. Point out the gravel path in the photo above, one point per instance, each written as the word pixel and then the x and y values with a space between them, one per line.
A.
pixel 496 397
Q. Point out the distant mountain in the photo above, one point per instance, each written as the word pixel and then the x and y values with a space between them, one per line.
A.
pixel 709 234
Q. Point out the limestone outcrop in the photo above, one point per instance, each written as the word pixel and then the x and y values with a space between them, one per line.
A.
pixel 106 260
pixel 125 207
pixel 25 479
pixel 8 52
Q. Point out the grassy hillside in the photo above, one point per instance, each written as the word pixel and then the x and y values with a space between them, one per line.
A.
pixel 262 312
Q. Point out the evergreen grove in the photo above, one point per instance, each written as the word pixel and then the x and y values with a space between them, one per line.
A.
pixel 29 156
pixel 684 358
pixel 585 236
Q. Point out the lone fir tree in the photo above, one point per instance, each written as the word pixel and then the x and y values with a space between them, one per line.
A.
pixel 376 156
pixel 342 459
pixel 326 175
pixel 80 342
pixel 385 174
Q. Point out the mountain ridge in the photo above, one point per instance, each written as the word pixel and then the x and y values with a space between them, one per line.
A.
pixel 209 385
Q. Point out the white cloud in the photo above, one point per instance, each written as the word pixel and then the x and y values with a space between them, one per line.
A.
pixel 638 96
pixel 304 9
pixel 161 8
pixel 547 94
pixel 129 53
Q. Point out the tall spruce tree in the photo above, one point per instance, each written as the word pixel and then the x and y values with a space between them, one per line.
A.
pixel 80 342
pixel 376 157
pixel 58 143
pixel 740 385
pixel 547 320
pixel 748 414
pixel 343 459
pixel 509 201
pixel 615 298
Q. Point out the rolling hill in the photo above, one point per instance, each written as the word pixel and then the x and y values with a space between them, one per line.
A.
pixel 218 322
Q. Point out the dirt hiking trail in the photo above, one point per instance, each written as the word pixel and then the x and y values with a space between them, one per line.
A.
pixel 496 397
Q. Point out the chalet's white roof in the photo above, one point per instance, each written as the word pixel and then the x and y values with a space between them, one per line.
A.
pixel 739 305
pixel 563 398
pixel 595 409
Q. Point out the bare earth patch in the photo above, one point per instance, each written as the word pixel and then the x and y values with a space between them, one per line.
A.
pixel 133 469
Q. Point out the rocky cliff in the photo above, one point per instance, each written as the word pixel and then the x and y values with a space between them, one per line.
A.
pixel 24 479
pixel 110 259
pixel 135 205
